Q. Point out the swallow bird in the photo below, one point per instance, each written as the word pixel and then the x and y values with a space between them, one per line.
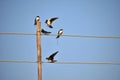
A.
pixel 59 33
pixel 36 19
pixel 49 21
pixel 45 32
pixel 51 57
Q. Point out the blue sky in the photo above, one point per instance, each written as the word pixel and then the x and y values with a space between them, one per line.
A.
pixel 82 17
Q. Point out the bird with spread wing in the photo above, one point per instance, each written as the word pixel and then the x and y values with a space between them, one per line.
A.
pixel 51 57
pixel 50 21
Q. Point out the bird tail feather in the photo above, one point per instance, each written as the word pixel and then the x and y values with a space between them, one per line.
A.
pixel 57 36
pixel 47 58
pixel 50 26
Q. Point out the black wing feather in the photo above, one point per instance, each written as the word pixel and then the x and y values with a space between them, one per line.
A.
pixel 52 56
pixel 53 19
pixel 35 22
pixel 44 31
pixel 46 21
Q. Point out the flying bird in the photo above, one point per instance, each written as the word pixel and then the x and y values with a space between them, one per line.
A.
pixel 49 21
pixel 45 32
pixel 36 19
pixel 51 57
pixel 59 33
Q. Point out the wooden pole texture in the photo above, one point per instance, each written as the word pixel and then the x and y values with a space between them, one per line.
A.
pixel 38 39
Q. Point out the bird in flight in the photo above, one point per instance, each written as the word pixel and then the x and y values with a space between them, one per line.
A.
pixel 59 33
pixel 51 57
pixel 49 21
pixel 36 19
pixel 45 32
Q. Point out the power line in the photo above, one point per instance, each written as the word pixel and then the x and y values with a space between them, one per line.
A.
pixel 16 33
pixel 19 61
pixel 87 63
pixel 32 61
pixel 82 36
pixel 67 35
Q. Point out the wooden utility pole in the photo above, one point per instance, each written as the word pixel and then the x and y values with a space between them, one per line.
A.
pixel 38 39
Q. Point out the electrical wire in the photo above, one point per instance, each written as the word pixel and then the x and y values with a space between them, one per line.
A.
pixel 82 36
pixel 19 61
pixel 66 35
pixel 16 33
pixel 87 63
pixel 32 61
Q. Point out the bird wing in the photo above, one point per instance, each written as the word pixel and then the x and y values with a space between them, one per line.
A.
pixel 53 19
pixel 52 55
pixel 46 21
pixel 44 31
pixel 35 21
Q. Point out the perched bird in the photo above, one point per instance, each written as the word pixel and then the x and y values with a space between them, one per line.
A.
pixel 49 21
pixel 45 32
pixel 59 33
pixel 51 57
pixel 36 19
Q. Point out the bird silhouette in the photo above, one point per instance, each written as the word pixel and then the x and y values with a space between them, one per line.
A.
pixel 51 57
pixel 59 33
pixel 45 32
pixel 49 21
pixel 36 19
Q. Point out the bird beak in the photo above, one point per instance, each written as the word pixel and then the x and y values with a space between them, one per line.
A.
pixel 47 58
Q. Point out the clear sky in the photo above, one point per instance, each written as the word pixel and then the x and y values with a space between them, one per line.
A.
pixel 82 17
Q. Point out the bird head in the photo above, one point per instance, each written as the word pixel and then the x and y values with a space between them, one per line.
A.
pixel 47 58
pixel 61 29
pixel 37 18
